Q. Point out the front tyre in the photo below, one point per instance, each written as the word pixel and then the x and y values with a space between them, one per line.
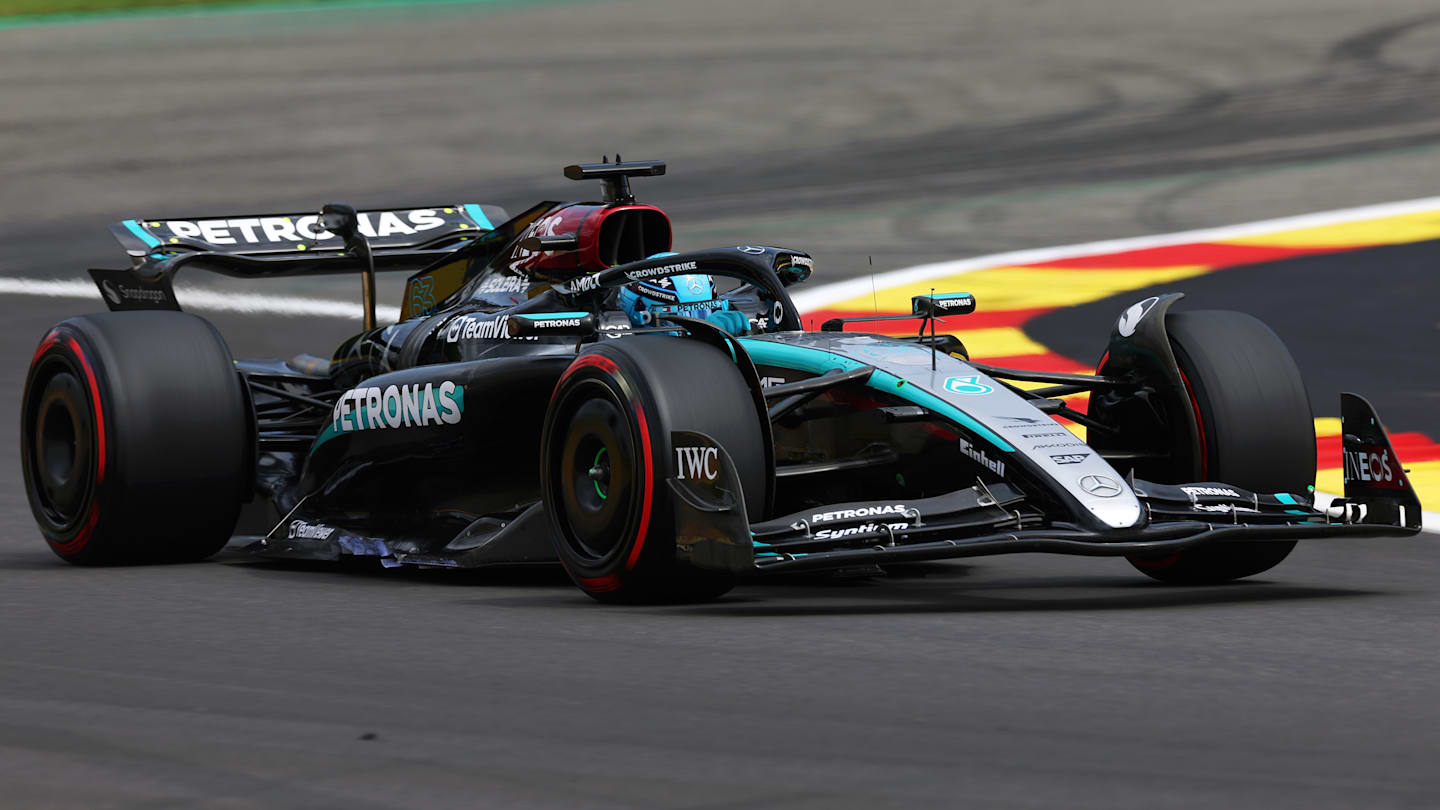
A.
pixel 134 438
pixel 1256 431
pixel 606 459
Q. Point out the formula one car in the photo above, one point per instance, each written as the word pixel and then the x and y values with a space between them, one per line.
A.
pixel 562 386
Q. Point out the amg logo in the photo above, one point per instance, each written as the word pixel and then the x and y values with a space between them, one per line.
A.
pixel 696 463
pixel 862 512
pixel 979 456
pixel 585 283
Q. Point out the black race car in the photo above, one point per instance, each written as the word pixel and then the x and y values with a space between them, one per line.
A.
pixel 551 391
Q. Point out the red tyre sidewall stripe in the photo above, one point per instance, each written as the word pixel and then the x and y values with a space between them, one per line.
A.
pixel 599 584
pixel 74 346
pixel 1199 426
pixel 80 540
pixel 610 583
pixel 597 360
pixel 45 346
pixel 645 504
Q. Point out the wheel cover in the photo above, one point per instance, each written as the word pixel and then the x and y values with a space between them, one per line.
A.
pixel 597 473
pixel 59 446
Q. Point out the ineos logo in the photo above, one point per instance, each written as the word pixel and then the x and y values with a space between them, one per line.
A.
pixel 695 463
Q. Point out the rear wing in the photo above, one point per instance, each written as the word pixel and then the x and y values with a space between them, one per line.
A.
pixel 294 244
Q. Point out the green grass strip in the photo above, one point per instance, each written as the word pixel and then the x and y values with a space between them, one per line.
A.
pixel 26 13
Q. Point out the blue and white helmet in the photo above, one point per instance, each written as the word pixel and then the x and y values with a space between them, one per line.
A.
pixel 690 295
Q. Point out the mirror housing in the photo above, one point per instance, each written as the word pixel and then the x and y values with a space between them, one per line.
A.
pixel 940 305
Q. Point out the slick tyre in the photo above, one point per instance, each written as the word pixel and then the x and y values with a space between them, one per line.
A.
pixel 134 438
pixel 606 460
pixel 1256 431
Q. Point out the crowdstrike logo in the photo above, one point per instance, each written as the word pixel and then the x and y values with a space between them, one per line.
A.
pixel 663 270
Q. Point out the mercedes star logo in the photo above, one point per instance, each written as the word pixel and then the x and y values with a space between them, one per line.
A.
pixel 751 249
pixel 1100 486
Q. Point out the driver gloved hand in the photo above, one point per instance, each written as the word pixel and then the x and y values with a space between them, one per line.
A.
pixel 731 321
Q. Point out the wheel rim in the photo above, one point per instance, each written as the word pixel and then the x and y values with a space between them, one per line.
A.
pixel 596 469
pixel 60 452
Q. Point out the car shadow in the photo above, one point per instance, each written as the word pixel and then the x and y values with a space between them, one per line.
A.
pixel 1050 594
pixel 370 570
pixel 946 588
pixel 914 588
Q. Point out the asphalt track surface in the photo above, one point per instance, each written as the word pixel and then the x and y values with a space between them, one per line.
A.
pixel 908 132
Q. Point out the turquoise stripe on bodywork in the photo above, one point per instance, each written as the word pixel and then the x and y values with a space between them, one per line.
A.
pixel 890 384
pixel 818 361
pixel 141 233
pixel 800 358
pixel 551 316
pixel 1284 497
pixel 476 214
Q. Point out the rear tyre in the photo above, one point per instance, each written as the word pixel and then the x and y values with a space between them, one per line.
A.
pixel 605 461
pixel 1256 431
pixel 134 438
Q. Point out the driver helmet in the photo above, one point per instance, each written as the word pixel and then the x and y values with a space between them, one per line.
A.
pixel 691 295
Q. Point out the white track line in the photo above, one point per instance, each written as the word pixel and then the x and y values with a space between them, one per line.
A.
pixel 827 294
pixel 208 299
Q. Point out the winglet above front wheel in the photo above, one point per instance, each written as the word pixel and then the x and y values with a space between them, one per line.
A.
pixel 1376 488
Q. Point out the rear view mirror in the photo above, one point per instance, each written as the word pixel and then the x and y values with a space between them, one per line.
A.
pixel 939 305
pixel 341 220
